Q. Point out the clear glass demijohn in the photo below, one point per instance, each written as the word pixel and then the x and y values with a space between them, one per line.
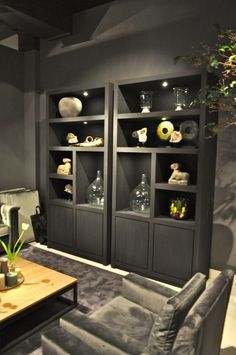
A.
pixel 95 192
pixel 140 197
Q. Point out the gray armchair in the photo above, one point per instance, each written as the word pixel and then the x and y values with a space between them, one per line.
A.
pixel 8 224
pixel 146 319
pixel 143 320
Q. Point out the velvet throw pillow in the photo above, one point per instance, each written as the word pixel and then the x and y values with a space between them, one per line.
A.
pixel 172 315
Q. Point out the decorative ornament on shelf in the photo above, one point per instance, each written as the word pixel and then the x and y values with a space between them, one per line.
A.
pixel 180 94
pixel 175 137
pixel 140 135
pixel 179 208
pixel 178 177
pixel 71 138
pixel 68 189
pixel 64 169
pixel 70 107
pixel 92 142
pixel 95 192
pixel 12 253
pixel 146 101
pixel 140 197
pixel 189 130
pixel 164 130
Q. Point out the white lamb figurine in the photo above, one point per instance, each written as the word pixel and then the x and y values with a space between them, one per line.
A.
pixel 178 177
pixel 64 169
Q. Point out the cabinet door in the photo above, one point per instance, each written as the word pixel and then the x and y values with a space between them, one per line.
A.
pixel 173 251
pixel 61 225
pixel 89 232
pixel 131 242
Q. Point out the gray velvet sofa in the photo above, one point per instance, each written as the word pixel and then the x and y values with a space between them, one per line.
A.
pixel 8 224
pixel 148 319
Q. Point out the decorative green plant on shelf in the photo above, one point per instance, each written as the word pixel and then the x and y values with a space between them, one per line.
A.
pixel 219 59
pixel 179 208
pixel 12 253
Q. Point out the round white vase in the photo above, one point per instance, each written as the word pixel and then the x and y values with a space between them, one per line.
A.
pixel 70 107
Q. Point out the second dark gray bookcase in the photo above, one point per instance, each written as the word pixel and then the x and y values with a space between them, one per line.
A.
pixel 157 245
pixel 74 226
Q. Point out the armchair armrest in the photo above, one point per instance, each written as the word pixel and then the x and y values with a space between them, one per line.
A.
pixel 9 215
pixel 145 292
pixel 98 334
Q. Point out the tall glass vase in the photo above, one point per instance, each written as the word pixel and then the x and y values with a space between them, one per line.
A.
pixel 180 94
pixel 140 197
pixel 95 192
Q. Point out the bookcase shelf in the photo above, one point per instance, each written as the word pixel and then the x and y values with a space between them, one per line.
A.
pixel 155 244
pixel 74 225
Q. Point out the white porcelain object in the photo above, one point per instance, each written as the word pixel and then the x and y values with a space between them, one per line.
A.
pixel 70 107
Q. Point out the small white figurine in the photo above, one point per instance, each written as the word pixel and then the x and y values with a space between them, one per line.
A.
pixel 71 138
pixel 178 177
pixel 141 135
pixel 64 169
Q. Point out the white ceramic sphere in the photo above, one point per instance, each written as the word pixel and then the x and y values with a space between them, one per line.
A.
pixel 70 107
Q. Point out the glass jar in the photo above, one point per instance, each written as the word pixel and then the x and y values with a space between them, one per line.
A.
pixel 11 265
pixel 95 192
pixel 146 100
pixel 180 94
pixel 140 197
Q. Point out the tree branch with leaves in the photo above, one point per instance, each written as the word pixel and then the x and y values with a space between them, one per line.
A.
pixel 219 59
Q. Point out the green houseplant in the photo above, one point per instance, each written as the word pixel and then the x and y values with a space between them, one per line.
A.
pixel 219 59
pixel 12 253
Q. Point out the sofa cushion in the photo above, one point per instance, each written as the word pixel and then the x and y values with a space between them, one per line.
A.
pixel 202 329
pixel 124 316
pixel 173 313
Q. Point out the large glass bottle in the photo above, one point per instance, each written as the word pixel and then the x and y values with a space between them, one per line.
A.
pixel 95 192
pixel 140 197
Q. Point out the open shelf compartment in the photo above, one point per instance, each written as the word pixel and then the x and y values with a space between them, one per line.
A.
pixel 58 131
pixel 55 159
pixel 188 163
pixel 87 165
pixel 163 200
pixel 130 168
pixel 162 98
pixel 93 104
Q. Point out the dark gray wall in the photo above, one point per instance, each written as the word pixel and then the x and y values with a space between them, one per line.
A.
pixel 136 38
pixel 12 159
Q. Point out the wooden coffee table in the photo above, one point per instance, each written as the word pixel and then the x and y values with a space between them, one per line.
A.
pixel 41 285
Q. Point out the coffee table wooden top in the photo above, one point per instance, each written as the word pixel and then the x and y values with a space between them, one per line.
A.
pixel 39 284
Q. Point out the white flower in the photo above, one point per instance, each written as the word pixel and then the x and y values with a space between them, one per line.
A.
pixel 24 226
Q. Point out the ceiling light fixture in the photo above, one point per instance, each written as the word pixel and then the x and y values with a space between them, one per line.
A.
pixel 165 84
pixel 85 93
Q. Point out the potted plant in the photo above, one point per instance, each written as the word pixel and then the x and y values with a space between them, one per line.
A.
pixel 12 253
pixel 219 59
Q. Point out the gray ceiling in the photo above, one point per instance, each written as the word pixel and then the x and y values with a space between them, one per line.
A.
pixel 35 19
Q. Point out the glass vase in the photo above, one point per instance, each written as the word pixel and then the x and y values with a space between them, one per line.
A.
pixel 140 197
pixel 95 192
pixel 146 100
pixel 11 265
pixel 180 94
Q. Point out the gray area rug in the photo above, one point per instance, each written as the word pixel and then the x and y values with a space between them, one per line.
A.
pixel 96 287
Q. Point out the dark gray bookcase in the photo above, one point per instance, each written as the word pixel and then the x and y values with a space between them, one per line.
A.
pixel 74 226
pixel 156 245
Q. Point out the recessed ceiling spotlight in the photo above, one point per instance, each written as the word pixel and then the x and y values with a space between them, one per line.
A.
pixel 85 122
pixel 85 93
pixel 164 84
pixel 164 118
